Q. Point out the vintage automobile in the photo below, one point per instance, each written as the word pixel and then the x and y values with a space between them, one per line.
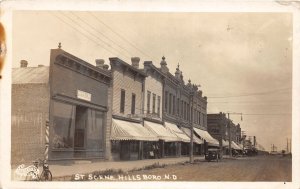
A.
pixel 212 154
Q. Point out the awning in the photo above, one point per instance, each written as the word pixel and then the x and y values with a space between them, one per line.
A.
pixel 179 133
pixel 161 132
pixel 241 146
pixel 125 130
pixel 235 146
pixel 225 143
pixel 204 135
pixel 187 131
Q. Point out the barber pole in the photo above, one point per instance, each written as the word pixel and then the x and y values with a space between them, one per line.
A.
pixel 46 141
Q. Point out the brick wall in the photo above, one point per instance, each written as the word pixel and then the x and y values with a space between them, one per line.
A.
pixel 30 110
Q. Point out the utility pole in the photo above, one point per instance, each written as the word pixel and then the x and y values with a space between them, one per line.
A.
pixel 229 135
pixel 287 145
pixel 192 92
pixel 290 146
pixel 229 130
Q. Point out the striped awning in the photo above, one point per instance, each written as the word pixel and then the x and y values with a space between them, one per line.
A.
pixel 235 146
pixel 125 130
pixel 161 132
pixel 187 131
pixel 179 133
pixel 204 135
pixel 225 143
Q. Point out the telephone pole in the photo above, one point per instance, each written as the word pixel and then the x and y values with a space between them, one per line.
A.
pixel 229 129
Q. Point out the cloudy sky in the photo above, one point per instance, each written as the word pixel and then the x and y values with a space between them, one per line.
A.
pixel 243 61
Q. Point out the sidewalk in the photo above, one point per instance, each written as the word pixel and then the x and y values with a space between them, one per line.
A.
pixel 82 168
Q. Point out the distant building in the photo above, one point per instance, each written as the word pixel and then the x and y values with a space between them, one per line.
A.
pixel 218 127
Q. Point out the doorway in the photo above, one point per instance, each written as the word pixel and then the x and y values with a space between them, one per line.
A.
pixel 80 130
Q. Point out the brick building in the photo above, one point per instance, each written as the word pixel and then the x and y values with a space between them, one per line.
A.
pixel 184 105
pixel 73 96
pixel 217 125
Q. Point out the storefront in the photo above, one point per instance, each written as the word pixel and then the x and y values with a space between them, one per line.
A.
pixel 209 141
pixel 78 108
pixel 131 140
pixel 183 145
pixel 198 143
pixel 168 141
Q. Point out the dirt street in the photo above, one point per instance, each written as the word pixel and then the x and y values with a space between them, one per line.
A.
pixel 259 168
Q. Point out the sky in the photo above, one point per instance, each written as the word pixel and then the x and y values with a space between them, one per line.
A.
pixel 243 61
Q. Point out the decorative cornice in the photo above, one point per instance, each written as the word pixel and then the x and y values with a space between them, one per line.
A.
pixel 73 63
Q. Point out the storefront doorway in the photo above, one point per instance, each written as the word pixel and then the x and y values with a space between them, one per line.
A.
pixel 80 130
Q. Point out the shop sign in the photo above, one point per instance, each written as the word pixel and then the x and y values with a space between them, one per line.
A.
pixel 84 95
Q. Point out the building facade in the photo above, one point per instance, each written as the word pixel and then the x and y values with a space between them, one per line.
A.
pixel 184 106
pixel 72 97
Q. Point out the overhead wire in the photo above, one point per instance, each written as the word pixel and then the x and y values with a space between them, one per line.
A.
pixel 82 33
pixel 252 94
pixel 95 29
pixel 120 36
pixel 109 45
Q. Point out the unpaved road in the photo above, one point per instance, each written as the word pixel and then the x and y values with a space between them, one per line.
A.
pixel 258 168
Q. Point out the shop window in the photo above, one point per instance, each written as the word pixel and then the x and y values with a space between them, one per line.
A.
pixel 95 130
pixel 133 103
pixel 115 146
pixel 134 146
pixel 122 103
pixel 63 125
pixel 153 103
pixel 148 101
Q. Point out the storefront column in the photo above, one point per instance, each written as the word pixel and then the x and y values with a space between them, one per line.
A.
pixel 179 149
pixel 141 155
pixel 163 148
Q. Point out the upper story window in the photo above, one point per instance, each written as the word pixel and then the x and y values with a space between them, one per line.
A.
pixel 158 106
pixel 166 101
pixel 178 105
pixel 148 101
pixel 174 108
pixel 122 101
pixel 133 103
pixel 153 103
pixel 170 103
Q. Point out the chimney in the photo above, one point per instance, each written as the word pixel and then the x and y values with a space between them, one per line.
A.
pixel 99 63
pixel 105 67
pixel 24 63
pixel 135 62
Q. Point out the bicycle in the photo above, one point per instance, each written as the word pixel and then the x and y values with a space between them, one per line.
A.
pixel 46 174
